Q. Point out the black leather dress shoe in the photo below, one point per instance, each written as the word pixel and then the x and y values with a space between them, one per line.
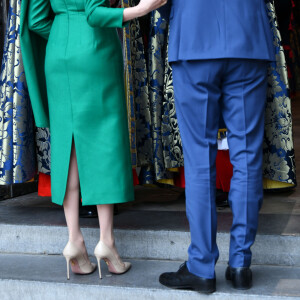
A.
pixel 221 199
pixel 183 279
pixel 241 278
pixel 90 211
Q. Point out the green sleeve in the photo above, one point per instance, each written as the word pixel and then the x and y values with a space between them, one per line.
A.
pixel 33 48
pixel 100 14
pixel 39 20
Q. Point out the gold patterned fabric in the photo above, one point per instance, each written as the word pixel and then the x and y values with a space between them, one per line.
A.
pixel 132 40
pixel 43 150
pixel 172 145
pixel 158 140
pixel 17 146
pixel 3 20
pixel 279 156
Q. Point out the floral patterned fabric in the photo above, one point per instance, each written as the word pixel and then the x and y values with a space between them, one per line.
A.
pixel 172 145
pixel 131 39
pixel 17 146
pixel 43 150
pixel 157 52
pixel 279 156
pixel 150 79
pixel 3 20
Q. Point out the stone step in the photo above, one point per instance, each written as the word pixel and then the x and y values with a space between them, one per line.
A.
pixel 35 277
pixel 147 230
pixel 144 243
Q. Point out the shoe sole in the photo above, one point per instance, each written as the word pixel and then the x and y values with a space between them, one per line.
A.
pixel 190 288
pixel 241 288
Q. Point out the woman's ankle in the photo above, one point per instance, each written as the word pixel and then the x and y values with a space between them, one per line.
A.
pixel 108 241
pixel 76 238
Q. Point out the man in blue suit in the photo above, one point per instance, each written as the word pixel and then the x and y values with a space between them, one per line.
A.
pixel 219 51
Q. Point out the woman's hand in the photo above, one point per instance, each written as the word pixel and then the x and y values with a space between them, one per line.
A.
pixel 146 6
pixel 143 8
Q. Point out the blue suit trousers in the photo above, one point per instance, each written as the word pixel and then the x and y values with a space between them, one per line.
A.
pixel 204 89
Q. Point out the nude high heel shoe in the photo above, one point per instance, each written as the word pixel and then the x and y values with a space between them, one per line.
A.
pixel 115 265
pixel 79 264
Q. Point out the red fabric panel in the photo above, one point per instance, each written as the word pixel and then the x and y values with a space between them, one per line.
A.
pixel 135 177
pixel 179 179
pixel 44 188
pixel 224 170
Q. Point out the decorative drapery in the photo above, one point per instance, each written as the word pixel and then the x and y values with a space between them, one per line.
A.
pixel 151 98
pixel 3 20
pixel 43 150
pixel 163 115
pixel 132 64
pixel 17 147
pixel 279 156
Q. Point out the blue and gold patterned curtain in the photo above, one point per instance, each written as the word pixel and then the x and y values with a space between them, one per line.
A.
pixel 43 150
pixel 166 145
pixel 151 99
pixel 17 146
pixel 135 79
pixel 279 156
pixel 3 20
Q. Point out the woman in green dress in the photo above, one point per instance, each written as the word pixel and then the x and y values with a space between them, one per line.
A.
pixel 84 104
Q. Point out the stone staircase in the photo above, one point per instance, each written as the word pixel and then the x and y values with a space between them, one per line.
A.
pixel 32 237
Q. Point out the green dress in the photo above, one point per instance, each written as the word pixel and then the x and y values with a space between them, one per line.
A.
pixel 84 97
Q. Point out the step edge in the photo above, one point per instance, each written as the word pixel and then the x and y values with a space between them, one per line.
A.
pixel 292 236
pixel 172 292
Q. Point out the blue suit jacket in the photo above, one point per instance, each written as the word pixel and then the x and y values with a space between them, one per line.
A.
pixel 213 29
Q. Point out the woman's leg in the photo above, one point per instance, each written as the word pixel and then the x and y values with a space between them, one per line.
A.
pixel 106 248
pixel 71 203
pixel 106 217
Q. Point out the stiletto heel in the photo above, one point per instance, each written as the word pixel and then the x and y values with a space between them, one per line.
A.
pixel 115 264
pixel 68 267
pixel 99 267
pixel 79 264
